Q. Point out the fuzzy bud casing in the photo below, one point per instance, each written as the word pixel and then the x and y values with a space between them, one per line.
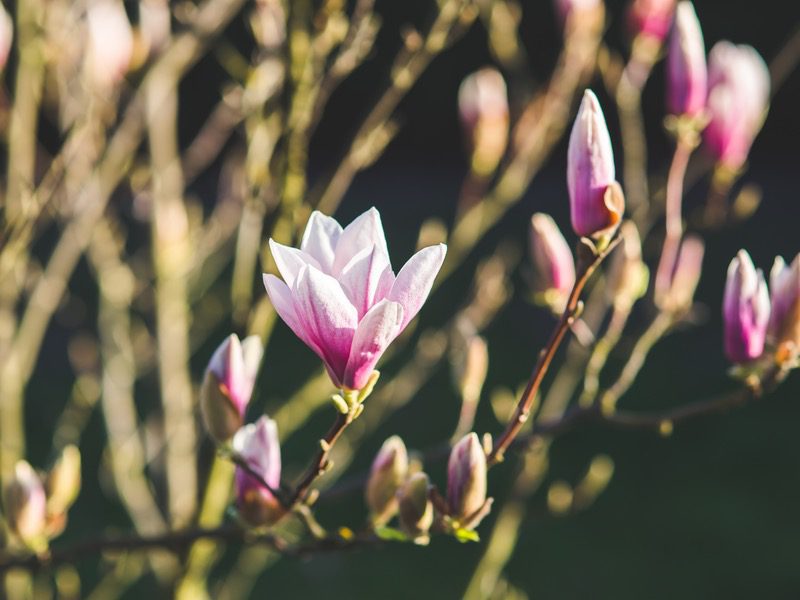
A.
pixel 416 509
pixel 553 262
pixel 466 477
pixel 389 470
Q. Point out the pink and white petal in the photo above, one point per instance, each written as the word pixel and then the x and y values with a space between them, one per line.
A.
pixel 379 327
pixel 364 232
pixel 415 279
pixel 328 314
pixel 361 278
pixel 290 260
pixel 320 239
pixel 284 303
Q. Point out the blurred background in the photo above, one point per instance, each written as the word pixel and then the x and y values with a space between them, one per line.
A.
pixel 710 511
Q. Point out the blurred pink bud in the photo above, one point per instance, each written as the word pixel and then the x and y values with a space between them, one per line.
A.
pixel 228 385
pixel 686 64
pixel 683 283
pixel 628 275
pixel 552 260
pixel 25 504
pixel 784 323
pixel 746 310
pixel 416 509
pixel 110 46
pixel 257 444
pixel 340 295
pixel 466 478
pixel 738 97
pixel 387 474
pixel 596 201
pixel 483 108
pixel 652 18
pixel 6 36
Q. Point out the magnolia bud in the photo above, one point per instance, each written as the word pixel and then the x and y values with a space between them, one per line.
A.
pixel 678 296
pixel 596 200
pixel 228 385
pixel 483 107
pixel 416 509
pixel 746 310
pixel 553 262
pixel 110 48
pixel 628 275
pixel 6 36
pixel 466 478
pixel 387 474
pixel 257 445
pixel 63 481
pixel 686 64
pixel 784 323
pixel 24 505
pixel 651 18
pixel 738 97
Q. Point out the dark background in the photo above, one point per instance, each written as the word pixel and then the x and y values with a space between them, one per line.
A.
pixel 711 512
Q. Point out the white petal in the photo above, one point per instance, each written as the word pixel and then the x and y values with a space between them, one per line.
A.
pixel 415 279
pixel 284 304
pixel 379 327
pixel 365 279
pixel 321 238
pixel 364 232
pixel 290 260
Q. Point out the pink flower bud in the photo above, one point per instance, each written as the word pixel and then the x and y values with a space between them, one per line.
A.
pixel 784 323
pixel 483 108
pixel 416 509
pixel 24 505
pixel 228 385
pixel 110 43
pixel 746 310
pixel 651 17
pixel 6 36
pixel 596 201
pixel 257 444
pixel 340 295
pixel 683 283
pixel 466 478
pixel 738 97
pixel 552 260
pixel 686 64
pixel 388 472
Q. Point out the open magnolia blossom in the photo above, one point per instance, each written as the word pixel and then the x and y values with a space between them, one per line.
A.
pixel 340 295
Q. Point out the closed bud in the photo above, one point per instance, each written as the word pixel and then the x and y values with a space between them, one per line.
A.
pixel 554 266
pixel 679 294
pixel 416 509
pixel 651 18
pixel 6 36
pixel 784 323
pixel 628 275
pixel 228 385
pixel 63 481
pixel 596 200
pixel 387 474
pixel 466 478
pixel 686 64
pixel 257 445
pixel 110 48
pixel 738 98
pixel 25 505
pixel 483 107
pixel 746 310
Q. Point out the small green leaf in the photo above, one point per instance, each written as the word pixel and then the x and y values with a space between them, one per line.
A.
pixel 466 535
pixel 391 534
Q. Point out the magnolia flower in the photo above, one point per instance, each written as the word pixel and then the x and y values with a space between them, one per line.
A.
pixel 686 64
pixel 25 504
pixel 228 385
pixel 387 474
pixel 552 260
pixel 466 481
pixel 340 295
pixel 784 322
pixel 738 97
pixel 596 200
pixel 483 108
pixel 6 36
pixel 746 310
pixel 110 43
pixel 257 444
pixel 651 17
